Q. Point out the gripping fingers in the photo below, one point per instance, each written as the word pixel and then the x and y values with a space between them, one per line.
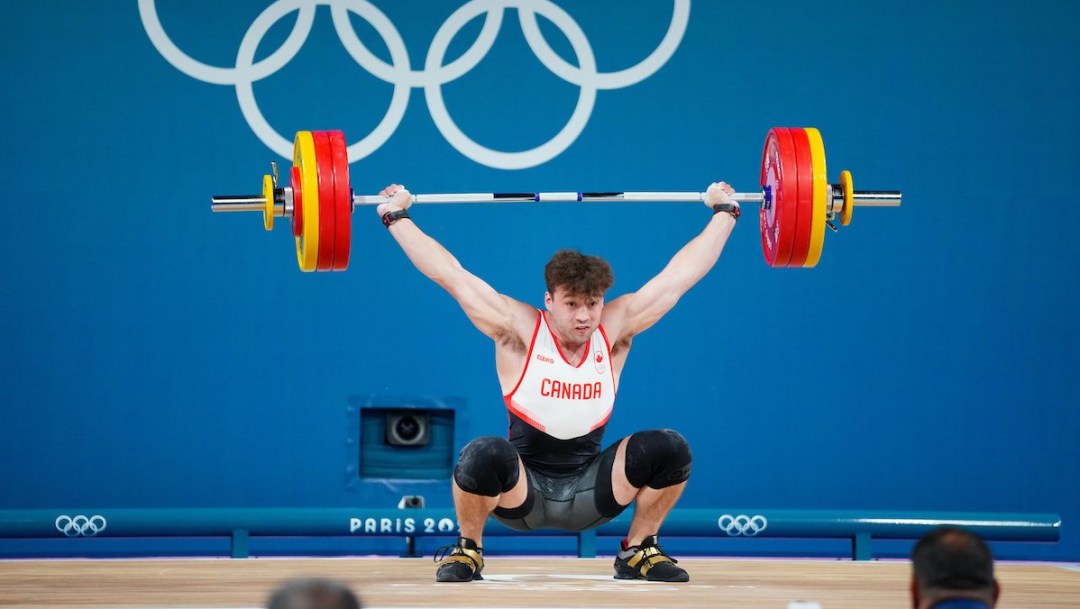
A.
pixel 718 193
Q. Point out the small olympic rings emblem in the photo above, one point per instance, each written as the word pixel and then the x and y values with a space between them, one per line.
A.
pixel 741 524
pixel 435 73
pixel 80 526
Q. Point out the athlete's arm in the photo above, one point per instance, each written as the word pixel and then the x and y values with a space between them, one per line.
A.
pixel 630 314
pixel 497 316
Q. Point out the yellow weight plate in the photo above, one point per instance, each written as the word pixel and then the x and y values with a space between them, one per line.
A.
pixel 268 210
pixel 307 244
pixel 848 185
pixel 821 193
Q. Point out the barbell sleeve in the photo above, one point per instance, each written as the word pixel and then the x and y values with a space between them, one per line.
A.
pixel 237 203
pixel 876 198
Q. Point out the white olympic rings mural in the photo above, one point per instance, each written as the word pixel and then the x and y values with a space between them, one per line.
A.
pixel 79 525
pixel 741 524
pixel 434 75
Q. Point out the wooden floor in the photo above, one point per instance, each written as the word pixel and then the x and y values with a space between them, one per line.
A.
pixel 509 582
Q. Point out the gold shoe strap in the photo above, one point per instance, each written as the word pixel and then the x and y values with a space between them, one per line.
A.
pixel 647 558
pixel 464 554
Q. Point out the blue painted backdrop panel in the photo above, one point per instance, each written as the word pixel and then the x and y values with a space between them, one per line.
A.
pixel 154 354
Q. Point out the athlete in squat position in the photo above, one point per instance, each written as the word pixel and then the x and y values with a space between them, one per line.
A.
pixel 559 370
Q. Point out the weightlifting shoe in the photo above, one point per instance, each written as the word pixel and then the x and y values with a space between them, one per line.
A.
pixel 648 561
pixel 461 562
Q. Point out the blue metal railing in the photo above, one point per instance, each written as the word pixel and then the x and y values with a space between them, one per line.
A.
pixel 240 524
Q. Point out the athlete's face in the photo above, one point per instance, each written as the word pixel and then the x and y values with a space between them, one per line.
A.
pixel 574 316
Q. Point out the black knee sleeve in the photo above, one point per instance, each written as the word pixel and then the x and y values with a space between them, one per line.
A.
pixel 657 458
pixel 487 466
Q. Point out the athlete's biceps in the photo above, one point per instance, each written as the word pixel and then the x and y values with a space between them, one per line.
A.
pixel 485 307
pixel 645 307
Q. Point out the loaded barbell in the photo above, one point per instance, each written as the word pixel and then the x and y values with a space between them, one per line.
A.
pixel 797 201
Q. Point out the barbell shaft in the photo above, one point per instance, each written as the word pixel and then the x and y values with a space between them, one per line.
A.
pixel 562 197
pixel 229 203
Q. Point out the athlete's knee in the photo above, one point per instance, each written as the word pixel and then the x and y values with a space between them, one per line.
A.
pixel 487 466
pixel 657 458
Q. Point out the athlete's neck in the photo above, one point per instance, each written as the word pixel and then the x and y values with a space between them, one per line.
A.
pixel 572 352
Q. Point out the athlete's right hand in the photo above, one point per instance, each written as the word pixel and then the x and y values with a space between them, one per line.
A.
pixel 719 192
pixel 397 198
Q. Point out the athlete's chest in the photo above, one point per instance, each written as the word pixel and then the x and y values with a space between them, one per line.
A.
pixel 591 360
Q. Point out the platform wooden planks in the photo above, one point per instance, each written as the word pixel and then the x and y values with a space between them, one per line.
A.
pixel 509 582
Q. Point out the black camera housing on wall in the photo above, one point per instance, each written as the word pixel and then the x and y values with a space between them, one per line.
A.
pixel 408 428
pixel 403 438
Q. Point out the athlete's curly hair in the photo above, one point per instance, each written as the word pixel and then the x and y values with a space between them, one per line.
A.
pixel 578 274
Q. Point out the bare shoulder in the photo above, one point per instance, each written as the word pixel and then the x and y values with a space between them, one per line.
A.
pixel 614 319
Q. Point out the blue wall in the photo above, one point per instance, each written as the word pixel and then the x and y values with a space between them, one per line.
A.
pixel 153 354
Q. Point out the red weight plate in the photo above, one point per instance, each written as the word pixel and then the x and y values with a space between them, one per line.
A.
pixel 805 188
pixel 778 216
pixel 298 202
pixel 342 200
pixel 327 220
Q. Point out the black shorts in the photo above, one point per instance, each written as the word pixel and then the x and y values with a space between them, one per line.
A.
pixel 577 502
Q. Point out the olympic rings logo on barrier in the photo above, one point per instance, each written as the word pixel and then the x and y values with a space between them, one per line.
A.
pixel 741 524
pixel 434 75
pixel 80 526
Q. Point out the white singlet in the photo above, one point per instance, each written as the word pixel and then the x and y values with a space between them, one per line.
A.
pixel 558 398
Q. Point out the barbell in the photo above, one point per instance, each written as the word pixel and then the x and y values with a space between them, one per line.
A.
pixel 797 201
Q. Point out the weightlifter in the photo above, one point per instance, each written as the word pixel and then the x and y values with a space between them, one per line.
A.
pixel 559 371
